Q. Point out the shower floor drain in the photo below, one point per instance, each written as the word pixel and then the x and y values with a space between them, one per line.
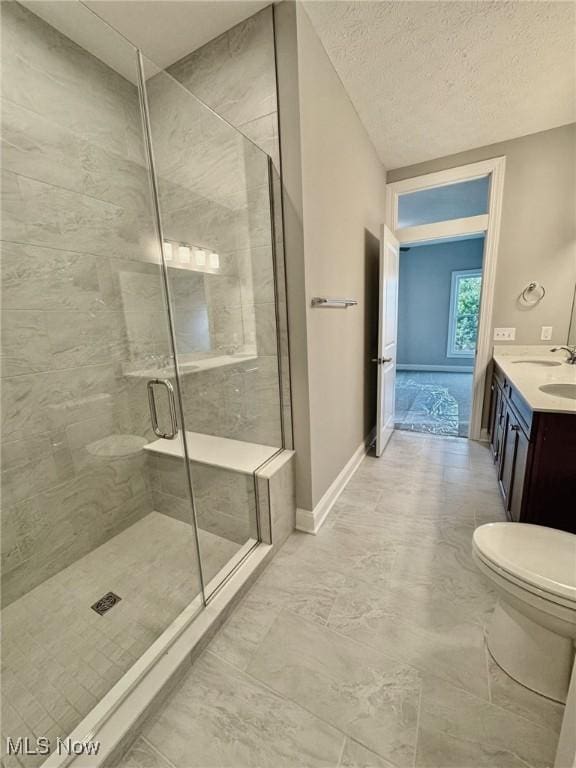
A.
pixel 106 602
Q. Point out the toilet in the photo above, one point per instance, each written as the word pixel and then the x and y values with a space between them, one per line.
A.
pixel 532 631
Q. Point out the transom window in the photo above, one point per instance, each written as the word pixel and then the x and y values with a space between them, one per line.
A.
pixel 464 310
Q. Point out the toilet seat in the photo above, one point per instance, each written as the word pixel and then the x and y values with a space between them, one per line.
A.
pixel 539 559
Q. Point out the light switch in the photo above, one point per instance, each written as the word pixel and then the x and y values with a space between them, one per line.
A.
pixel 504 334
pixel 546 333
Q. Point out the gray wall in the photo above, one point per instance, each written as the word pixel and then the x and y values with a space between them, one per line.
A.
pixel 424 300
pixel 334 183
pixel 538 235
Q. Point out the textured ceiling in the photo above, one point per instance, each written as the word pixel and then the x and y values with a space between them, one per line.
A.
pixel 429 79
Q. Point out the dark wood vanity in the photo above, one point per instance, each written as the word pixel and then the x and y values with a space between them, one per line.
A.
pixel 535 456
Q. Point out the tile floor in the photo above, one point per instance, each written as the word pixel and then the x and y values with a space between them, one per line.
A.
pixel 436 402
pixel 59 657
pixel 364 645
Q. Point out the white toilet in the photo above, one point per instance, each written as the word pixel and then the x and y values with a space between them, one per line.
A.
pixel 533 628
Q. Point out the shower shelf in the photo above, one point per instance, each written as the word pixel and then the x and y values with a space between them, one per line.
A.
pixel 235 455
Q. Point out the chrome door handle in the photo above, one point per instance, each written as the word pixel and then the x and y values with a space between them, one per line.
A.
pixel 375 360
pixel 171 407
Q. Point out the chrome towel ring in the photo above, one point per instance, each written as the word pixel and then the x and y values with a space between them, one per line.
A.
pixel 533 294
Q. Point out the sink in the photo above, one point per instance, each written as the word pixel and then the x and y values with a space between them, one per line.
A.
pixel 560 390
pixel 537 362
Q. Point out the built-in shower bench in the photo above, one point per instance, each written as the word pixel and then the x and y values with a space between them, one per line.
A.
pixel 231 480
pixel 235 455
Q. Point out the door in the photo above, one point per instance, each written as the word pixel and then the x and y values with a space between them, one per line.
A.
pixel 496 419
pixel 518 476
pixel 387 333
pixel 513 465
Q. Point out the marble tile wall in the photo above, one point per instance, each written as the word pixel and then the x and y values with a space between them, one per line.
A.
pixel 82 295
pixel 225 501
pixel 81 302
pixel 235 76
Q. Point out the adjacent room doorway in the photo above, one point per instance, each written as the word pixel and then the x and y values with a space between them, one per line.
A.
pixel 438 309
pixel 447 224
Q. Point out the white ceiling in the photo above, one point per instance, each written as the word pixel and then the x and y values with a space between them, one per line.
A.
pixel 167 30
pixel 429 79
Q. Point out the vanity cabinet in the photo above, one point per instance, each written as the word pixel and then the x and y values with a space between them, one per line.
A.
pixel 535 457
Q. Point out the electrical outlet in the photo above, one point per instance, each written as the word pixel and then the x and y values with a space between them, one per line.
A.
pixel 504 334
pixel 546 333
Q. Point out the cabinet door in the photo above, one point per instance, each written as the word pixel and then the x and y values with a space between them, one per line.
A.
pixel 518 474
pixel 508 455
pixel 497 417
pixel 513 464
pixel 492 416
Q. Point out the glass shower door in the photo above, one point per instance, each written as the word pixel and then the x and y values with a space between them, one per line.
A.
pixel 214 201
pixel 95 563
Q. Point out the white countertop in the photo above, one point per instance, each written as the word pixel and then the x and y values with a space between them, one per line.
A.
pixel 235 455
pixel 528 378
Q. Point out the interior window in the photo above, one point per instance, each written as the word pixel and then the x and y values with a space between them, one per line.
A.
pixel 450 201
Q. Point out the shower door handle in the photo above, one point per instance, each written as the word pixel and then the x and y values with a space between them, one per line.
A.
pixel 171 407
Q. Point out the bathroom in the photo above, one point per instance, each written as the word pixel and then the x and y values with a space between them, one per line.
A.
pixel 192 510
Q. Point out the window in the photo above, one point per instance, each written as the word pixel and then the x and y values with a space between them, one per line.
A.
pixel 449 201
pixel 464 310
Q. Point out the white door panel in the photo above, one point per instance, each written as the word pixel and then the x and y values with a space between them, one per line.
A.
pixel 387 335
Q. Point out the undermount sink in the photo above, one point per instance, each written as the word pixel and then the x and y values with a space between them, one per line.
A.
pixel 537 362
pixel 560 390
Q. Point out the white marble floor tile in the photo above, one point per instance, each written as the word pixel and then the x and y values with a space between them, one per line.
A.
pixel 428 632
pixel 371 635
pixel 460 730
pixel 222 718
pixel 357 756
pixel 367 695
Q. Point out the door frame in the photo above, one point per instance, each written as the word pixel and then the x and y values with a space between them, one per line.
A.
pixel 490 225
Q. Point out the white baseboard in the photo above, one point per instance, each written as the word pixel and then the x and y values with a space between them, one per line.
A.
pixel 310 521
pixel 448 368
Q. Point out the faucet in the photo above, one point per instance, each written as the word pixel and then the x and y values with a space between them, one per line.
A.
pixel 571 359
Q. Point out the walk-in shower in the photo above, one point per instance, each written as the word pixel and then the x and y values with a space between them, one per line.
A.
pixel 139 297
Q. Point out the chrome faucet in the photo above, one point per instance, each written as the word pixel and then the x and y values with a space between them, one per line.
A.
pixel 571 359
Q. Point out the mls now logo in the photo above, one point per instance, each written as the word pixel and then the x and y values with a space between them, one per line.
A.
pixel 23 745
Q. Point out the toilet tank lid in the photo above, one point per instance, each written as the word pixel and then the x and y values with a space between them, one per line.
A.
pixel 541 556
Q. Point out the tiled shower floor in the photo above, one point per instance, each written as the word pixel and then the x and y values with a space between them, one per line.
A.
pixel 59 657
pixel 364 645
pixel 437 402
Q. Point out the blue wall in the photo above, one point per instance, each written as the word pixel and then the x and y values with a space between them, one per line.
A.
pixel 424 299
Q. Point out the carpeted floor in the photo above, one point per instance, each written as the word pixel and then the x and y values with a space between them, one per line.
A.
pixel 436 402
